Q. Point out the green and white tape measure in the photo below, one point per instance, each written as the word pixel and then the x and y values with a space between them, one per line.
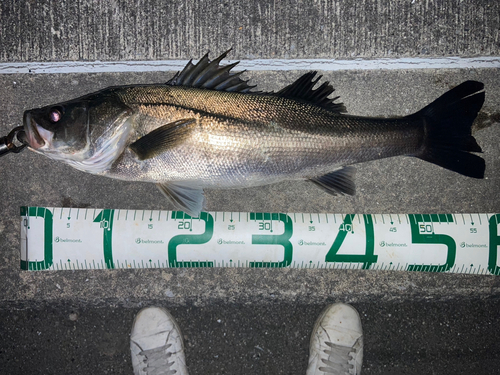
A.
pixel 71 238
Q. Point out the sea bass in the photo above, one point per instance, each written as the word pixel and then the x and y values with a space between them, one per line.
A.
pixel 207 128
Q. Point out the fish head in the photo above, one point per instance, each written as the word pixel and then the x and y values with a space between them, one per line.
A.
pixel 62 128
pixel 89 132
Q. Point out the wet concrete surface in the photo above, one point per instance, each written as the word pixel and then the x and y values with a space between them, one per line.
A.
pixel 155 30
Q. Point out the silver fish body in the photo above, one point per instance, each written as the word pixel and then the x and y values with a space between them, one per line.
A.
pixel 205 128
pixel 241 140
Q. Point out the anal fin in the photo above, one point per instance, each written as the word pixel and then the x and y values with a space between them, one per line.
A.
pixel 190 199
pixel 338 182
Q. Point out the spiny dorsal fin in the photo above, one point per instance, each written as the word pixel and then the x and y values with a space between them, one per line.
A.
pixel 210 75
pixel 302 89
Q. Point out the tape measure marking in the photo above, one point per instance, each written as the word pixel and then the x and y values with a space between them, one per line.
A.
pixel 65 238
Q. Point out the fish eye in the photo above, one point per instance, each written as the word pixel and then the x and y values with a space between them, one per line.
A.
pixel 55 114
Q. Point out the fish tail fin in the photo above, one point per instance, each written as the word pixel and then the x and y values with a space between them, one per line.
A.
pixel 448 138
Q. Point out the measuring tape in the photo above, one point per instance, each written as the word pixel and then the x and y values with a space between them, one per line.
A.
pixel 72 238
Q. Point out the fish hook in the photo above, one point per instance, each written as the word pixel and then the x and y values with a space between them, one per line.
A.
pixel 7 144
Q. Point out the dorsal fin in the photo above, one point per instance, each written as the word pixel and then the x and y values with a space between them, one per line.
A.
pixel 302 89
pixel 210 75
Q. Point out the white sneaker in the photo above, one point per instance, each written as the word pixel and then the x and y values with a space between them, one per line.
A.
pixel 156 344
pixel 336 342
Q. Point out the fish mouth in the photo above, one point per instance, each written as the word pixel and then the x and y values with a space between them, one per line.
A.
pixel 33 130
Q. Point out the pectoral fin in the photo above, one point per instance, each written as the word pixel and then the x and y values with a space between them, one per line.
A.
pixel 338 182
pixel 188 198
pixel 163 138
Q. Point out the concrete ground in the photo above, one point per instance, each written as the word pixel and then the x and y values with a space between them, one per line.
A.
pixel 250 321
pixel 409 337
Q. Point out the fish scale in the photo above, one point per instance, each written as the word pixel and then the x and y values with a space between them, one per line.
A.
pixel 288 146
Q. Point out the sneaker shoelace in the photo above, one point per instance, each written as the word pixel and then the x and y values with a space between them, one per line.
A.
pixel 157 361
pixel 340 359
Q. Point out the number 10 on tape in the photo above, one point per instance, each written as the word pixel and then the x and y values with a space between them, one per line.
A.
pixel 70 238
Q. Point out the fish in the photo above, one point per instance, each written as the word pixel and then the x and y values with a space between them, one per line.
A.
pixel 208 128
